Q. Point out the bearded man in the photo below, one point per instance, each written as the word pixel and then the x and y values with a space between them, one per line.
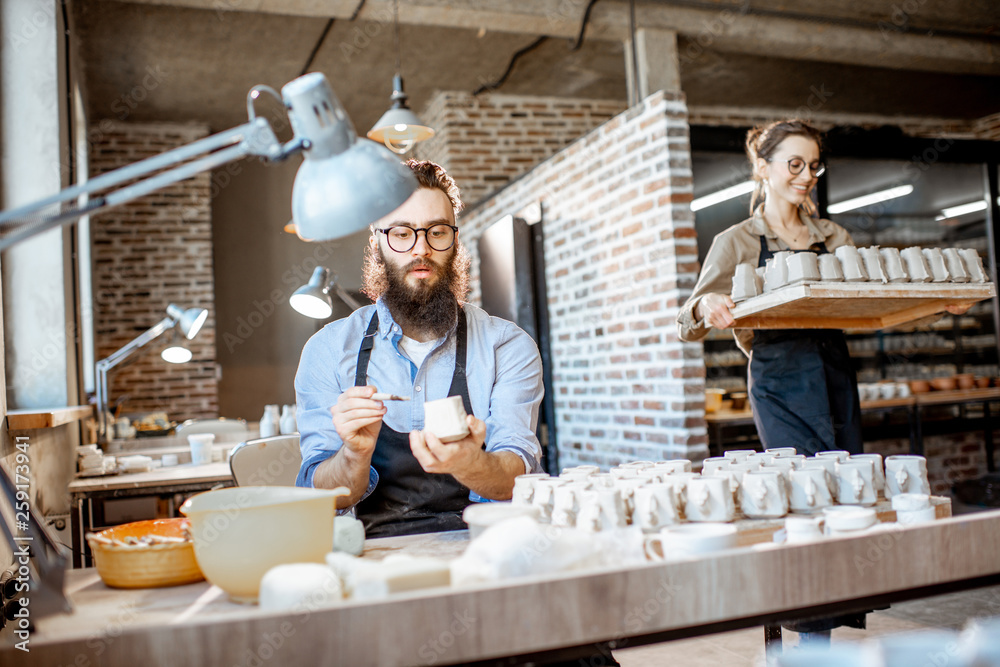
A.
pixel 422 342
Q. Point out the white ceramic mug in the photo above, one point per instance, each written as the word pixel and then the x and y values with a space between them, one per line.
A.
pixel 655 507
pixel 935 263
pixel 893 263
pixel 201 448
pixel 874 266
pixel 691 539
pixel 544 497
pixel 856 483
pixel 838 454
pixel 566 503
pixel 621 472
pixel 744 283
pixel 735 482
pixel 809 490
pixel 761 458
pixel 802 266
pixel 913 508
pixel 915 264
pixel 956 267
pixel 713 464
pixel 877 466
pixel 829 268
pixel 709 499
pixel 524 488
pixel 780 452
pixel 829 465
pixel 763 495
pixel 851 264
pixel 906 474
pixel 673 466
pixel 974 265
pixel 776 271
pixel 738 455
pixel 601 509
pixel 640 465
pixel 626 489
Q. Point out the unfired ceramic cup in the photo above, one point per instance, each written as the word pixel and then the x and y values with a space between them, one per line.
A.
pixel 829 465
pixel 877 466
pixel 689 540
pixel 935 263
pixel 655 507
pixel 838 454
pixel 829 268
pixel 873 264
pixel 915 264
pixel 802 266
pixel 906 474
pixel 744 282
pixel 713 464
pixel 851 264
pixel 524 488
pixel 601 509
pixel 802 529
pixel 856 483
pixel 776 271
pixel 672 466
pixel 809 490
pixel 709 499
pixel 783 452
pixel 445 418
pixel 956 267
pixel 566 503
pixel 974 265
pixel 738 455
pixel 764 495
pixel 893 263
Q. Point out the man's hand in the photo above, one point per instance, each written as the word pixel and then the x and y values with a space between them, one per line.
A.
pixel 958 309
pixel 714 309
pixel 358 419
pixel 452 457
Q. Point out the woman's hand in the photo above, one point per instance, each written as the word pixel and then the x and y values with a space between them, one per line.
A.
pixel 958 309
pixel 714 309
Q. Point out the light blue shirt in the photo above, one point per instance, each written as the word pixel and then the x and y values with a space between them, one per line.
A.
pixel 503 370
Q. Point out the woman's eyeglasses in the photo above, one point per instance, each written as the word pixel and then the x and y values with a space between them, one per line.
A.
pixel 402 239
pixel 797 164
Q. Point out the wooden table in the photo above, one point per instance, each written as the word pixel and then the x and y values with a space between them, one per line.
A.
pixel 742 587
pixel 186 479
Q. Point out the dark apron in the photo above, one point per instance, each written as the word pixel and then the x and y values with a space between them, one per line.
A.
pixel 407 500
pixel 803 389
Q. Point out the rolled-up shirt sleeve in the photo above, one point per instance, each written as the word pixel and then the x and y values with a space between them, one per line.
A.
pixel 715 278
pixel 516 399
pixel 317 388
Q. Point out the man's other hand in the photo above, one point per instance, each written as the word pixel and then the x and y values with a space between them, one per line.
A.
pixel 449 457
pixel 358 419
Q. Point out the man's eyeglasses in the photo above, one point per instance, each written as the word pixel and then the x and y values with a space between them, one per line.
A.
pixel 402 239
pixel 797 164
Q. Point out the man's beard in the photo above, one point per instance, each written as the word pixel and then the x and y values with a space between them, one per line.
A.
pixel 429 308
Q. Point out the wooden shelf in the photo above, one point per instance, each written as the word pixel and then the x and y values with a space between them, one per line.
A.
pixel 869 306
pixel 19 420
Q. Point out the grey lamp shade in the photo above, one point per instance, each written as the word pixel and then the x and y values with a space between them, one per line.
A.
pixel 313 298
pixel 345 183
pixel 190 321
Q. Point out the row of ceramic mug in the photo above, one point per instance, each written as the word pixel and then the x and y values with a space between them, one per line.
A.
pixel 873 391
pixel 764 485
pixel 852 264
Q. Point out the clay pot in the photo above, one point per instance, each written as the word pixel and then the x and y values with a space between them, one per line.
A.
pixel 982 382
pixel 920 386
pixel 965 381
pixel 713 399
pixel 944 384
pixel 740 399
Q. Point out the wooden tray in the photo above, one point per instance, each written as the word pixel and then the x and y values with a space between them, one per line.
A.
pixel 829 305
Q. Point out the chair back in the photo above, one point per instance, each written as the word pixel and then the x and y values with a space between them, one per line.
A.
pixel 219 427
pixel 273 461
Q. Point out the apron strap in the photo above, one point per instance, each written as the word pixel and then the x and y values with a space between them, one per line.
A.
pixel 365 352
pixel 459 384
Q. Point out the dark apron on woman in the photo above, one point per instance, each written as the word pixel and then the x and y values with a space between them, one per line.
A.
pixel 804 394
pixel 803 389
pixel 408 500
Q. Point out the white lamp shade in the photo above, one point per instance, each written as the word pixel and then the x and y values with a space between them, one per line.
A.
pixel 176 354
pixel 189 321
pixel 399 129
pixel 312 305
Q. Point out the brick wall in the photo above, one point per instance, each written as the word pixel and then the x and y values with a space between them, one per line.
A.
pixel 621 258
pixel 987 127
pixel 147 254
pixel 486 141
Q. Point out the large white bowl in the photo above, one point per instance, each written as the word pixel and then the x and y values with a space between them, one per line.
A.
pixel 240 533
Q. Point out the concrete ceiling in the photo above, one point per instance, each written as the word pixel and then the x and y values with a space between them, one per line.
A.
pixel 195 60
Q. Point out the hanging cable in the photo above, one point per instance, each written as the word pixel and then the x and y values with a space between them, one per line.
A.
pixel 634 96
pixel 486 87
pixel 583 26
pixel 319 43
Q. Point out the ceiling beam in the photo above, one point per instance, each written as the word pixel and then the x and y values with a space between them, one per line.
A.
pixel 738 29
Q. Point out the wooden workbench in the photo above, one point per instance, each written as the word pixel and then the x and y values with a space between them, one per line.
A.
pixel 743 587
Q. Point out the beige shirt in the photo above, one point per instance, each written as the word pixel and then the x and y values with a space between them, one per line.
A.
pixel 741 244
